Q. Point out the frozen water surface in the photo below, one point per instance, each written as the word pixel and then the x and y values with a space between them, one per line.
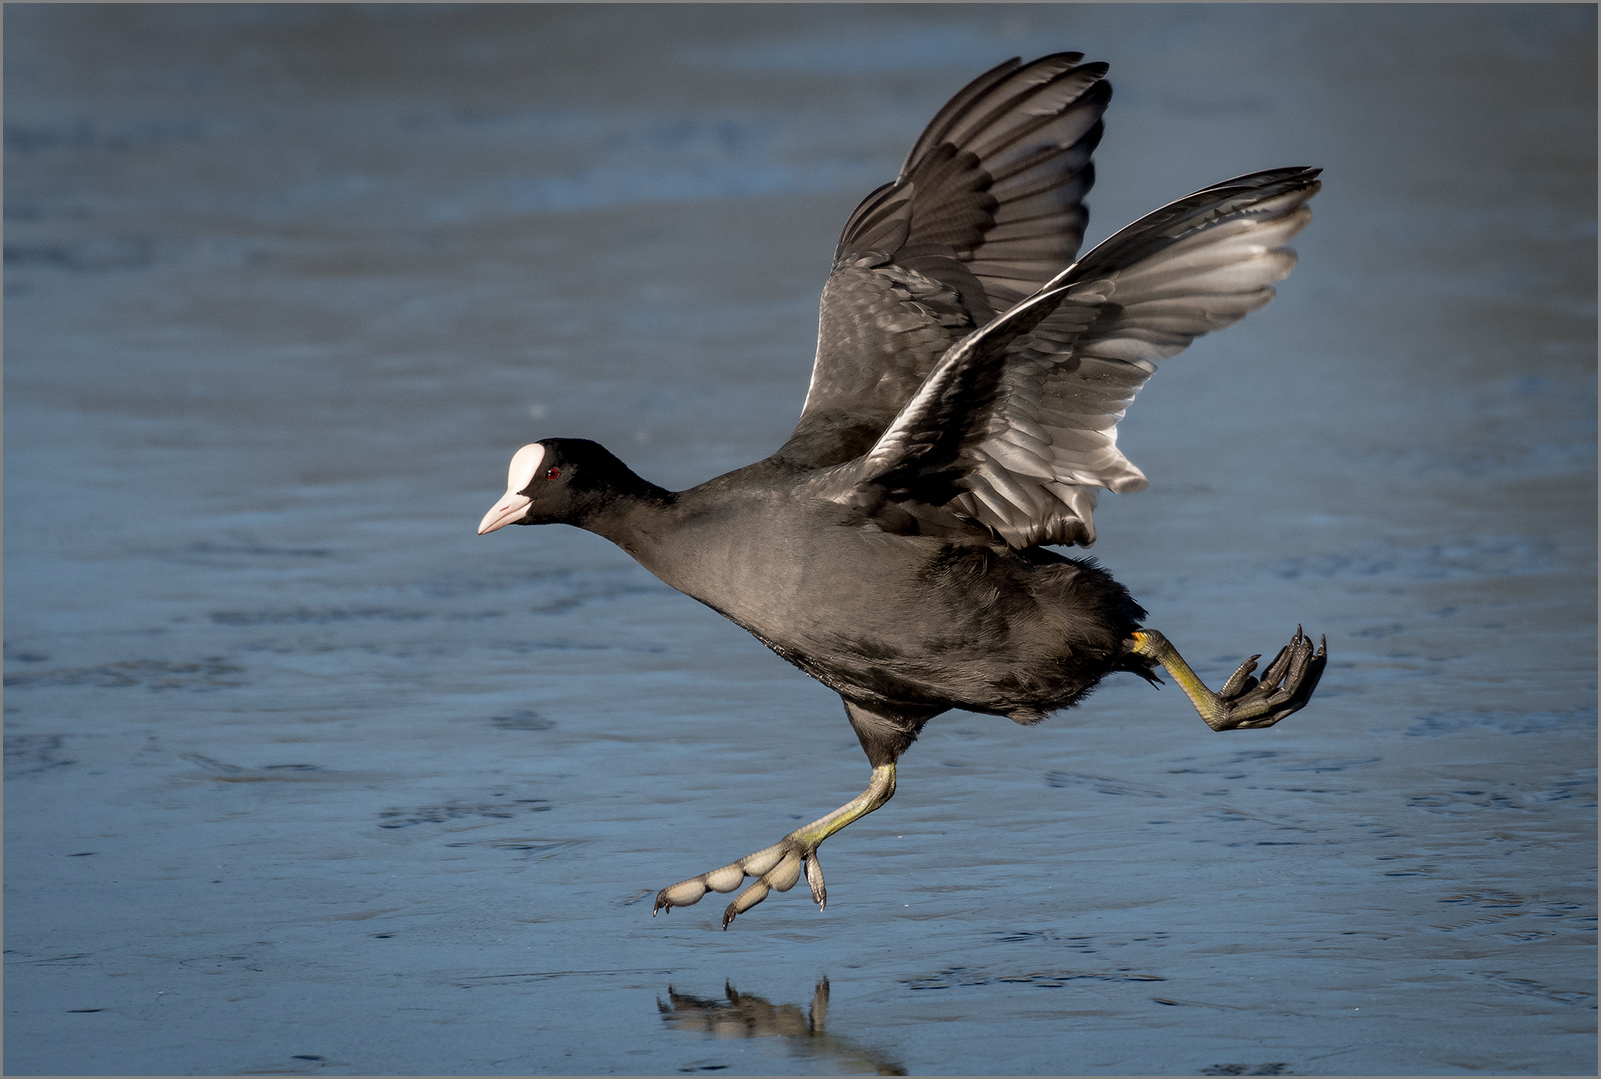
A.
pixel 305 777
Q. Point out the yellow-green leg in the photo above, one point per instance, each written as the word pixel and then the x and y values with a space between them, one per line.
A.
pixel 778 867
pixel 1244 702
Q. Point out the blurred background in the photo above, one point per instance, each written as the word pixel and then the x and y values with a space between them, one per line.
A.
pixel 305 777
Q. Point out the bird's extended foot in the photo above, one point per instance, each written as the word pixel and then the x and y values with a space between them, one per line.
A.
pixel 778 867
pixel 1245 702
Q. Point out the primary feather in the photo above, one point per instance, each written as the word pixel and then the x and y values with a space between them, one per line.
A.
pixel 987 208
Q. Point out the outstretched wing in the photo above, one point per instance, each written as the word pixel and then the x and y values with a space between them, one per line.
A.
pixel 921 457
pixel 987 208
pixel 1046 383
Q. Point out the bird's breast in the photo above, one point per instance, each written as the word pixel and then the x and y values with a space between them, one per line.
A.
pixel 790 572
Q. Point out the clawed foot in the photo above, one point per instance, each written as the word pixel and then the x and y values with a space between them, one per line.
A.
pixel 1284 687
pixel 776 869
pixel 1245 703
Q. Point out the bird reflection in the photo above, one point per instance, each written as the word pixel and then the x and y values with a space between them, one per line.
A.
pixel 743 1015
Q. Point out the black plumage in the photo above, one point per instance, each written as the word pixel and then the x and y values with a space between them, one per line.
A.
pixel 962 412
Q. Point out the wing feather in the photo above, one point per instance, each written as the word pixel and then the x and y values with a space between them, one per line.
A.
pixel 920 262
pixel 1016 426
pixel 1197 265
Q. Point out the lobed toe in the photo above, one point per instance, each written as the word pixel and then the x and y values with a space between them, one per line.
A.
pixel 784 875
pixel 1281 663
pixel 683 894
pixel 757 864
pixel 1240 682
pixel 744 901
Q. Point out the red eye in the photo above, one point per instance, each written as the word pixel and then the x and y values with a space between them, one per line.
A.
pixel 552 473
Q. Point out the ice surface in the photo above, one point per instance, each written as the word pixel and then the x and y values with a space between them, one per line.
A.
pixel 303 776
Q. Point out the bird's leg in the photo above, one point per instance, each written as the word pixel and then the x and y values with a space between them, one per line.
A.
pixel 778 867
pixel 1244 702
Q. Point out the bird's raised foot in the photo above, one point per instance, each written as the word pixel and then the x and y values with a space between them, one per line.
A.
pixel 776 869
pixel 1245 703
pixel 1283 689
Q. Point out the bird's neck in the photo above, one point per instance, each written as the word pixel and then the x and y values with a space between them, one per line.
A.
pixel 629 513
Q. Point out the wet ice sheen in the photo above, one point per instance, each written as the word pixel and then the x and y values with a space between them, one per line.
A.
pixel 304 777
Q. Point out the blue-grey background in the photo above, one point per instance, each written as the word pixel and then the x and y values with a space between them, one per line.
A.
pixel 303 776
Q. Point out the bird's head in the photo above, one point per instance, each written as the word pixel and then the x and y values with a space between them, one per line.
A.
pixel 558 481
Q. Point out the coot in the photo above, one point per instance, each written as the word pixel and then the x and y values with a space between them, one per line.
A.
pixel 961 417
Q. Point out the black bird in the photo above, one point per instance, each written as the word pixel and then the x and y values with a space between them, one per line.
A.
pixel 962 413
